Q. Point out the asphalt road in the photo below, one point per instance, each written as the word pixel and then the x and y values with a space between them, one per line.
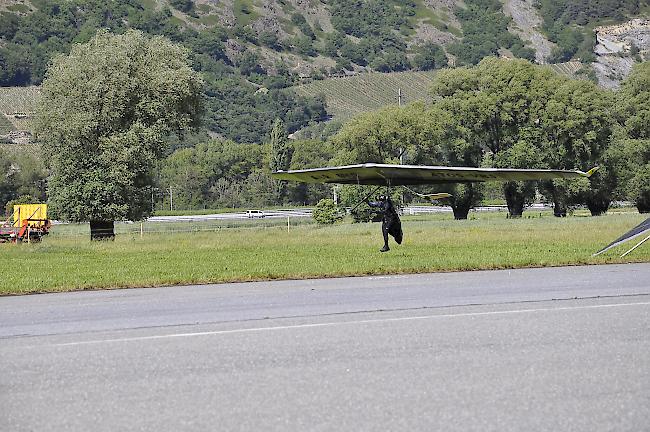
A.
pixel 540 349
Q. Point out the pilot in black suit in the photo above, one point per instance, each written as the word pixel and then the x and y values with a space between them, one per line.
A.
pixel 390 223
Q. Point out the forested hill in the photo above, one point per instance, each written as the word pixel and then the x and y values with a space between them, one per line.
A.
pixel 251 51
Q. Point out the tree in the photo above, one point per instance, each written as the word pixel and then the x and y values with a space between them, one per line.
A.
pixel 280 155
pixel 326 212
pixel 632 159
pixel 574 130
pixel 634 102
pixel 24 176
pixel 218 174
pixel 182 5
pixel 7 182
pixel 391 61
pixel 103 116
pixel 299 20
pixel 308 154
pixel 382 137
pixel 270 39
pixel 429 56
pixel 633 147
pixel 492 105
pixel 523 116
pixel 459 148
pixel 249 63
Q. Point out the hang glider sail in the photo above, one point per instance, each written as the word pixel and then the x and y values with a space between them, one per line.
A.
pixel 637 231
pixel 399 175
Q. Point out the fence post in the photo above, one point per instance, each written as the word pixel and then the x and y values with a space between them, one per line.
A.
pixel 141 229
pixel 288 217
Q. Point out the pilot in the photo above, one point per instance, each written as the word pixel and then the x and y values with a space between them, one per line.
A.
pixel 390 223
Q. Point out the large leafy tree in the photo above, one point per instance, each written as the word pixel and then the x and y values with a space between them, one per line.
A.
pixel 524 116
pixel 105 111
pixel 309 154
pixel 280 155
pixel 632 149
pixel 495 106
pixel 7 187
pixel 634 102
pixel 575 130
pixel 22 175
pixel 382 137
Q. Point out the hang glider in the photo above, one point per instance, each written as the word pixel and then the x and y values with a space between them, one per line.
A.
pixel 637 231
pixel 399 175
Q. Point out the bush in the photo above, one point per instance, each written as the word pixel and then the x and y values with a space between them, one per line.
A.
pixel 326 212
pixel 182 5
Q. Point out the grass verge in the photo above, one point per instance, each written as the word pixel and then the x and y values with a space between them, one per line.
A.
pixel 432 243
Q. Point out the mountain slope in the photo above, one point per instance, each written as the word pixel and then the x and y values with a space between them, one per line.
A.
pixel 252 52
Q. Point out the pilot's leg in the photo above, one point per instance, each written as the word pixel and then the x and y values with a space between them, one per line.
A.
pixel 384 231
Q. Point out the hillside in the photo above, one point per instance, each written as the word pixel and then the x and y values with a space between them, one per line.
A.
pixel 17 108
pixel 252 53
pixel 348 96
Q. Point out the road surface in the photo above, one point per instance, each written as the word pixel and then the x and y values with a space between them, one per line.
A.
pixel 537 349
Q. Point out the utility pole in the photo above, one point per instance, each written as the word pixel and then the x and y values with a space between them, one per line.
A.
pixel 399 104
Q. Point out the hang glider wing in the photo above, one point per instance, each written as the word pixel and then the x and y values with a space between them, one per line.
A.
pixel 398 175
pixel 435 196
pixel 637 231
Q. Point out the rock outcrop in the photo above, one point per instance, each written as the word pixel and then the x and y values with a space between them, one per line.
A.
pixel 618 47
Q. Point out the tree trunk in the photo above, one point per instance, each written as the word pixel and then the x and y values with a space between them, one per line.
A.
pixel 460 211
pixel 102 230
pixel 559 207
pixel 515 198
pixel 643 203
pixel 557 194
pixel 597 207
pixel 464 197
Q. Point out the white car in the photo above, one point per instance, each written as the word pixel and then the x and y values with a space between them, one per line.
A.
pixel 255 214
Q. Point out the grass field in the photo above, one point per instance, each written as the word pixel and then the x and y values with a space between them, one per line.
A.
pixel 569 68
pixel 249 252
pixel 19 99
pixel 5 125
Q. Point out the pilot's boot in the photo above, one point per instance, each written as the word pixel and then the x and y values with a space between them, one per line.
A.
pixel 384 249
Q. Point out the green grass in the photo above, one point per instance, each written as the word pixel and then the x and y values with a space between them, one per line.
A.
pixel 244 11
pixel 210 20
pixel 5 125
pixel 350 96
pixel 149 4
pixel 432 243
pixel 19 99
pixel 428 15
pixel 19 8
pixel 568 69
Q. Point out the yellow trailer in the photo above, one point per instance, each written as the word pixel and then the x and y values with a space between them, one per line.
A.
pixel 30 223
pixel 34 215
